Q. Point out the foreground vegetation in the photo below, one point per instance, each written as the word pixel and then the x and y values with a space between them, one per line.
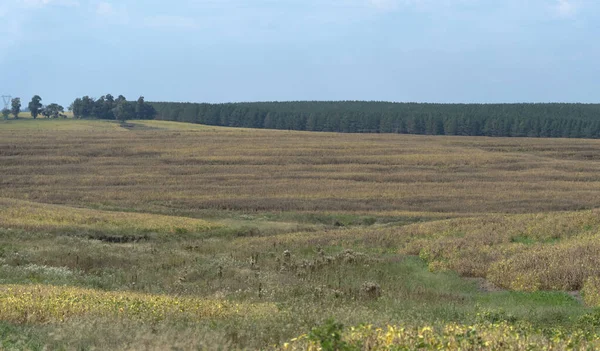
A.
pixel 159 234
pixel 481 336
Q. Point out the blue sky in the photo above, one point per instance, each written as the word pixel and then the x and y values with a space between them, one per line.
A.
pixel 264 50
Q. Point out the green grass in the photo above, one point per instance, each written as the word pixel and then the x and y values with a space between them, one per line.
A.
pixel 22 337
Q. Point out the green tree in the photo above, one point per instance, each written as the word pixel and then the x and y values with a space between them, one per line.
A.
pixel 77 108
pixel 87 107
pixel 149 111
pixel 119 112
pixel 109 106
pixel 16 107
pixel 103 107
pixel 100 110
pixel 35 106
pixel 144 110
pixel 124 110
pixel 140 109
pixel 53 110
pixel 5 113
pixel 45 112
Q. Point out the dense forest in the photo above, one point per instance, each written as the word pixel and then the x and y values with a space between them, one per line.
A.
pixel 108 107
pixel 519 120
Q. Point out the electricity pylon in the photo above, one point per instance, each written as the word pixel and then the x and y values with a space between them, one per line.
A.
pixel 7 99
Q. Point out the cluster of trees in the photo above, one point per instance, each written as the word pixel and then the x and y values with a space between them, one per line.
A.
pixel 35 107
pixel 15 109
pixel 50 111
pixel 107 107
pixel 502 120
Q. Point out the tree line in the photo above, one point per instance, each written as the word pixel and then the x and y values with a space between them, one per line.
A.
pixel 35 107
pixel 108 107
pixel 500 120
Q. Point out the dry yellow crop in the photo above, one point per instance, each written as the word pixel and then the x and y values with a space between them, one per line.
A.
pixel 43 303
pixel 500 336
pixel 38 217
pixel 167 167
pixel 591 291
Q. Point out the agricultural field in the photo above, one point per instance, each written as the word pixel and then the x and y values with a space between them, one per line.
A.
pixel 158 235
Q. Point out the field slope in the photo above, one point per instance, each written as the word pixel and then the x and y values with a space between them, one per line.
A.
pixel 161 234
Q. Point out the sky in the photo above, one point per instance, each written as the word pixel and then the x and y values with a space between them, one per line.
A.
pixel 456 51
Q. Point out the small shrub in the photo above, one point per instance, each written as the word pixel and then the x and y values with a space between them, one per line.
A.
pixel 495 317
pixel 371 290
pixel 329 336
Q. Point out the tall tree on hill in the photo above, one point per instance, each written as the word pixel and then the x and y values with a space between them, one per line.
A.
pixel 16 107
pixel 87 107
pixel 100 107
pixel 35 106
pixel 109 105
pixel 140 108
pixel 119 112
pixel 77 108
